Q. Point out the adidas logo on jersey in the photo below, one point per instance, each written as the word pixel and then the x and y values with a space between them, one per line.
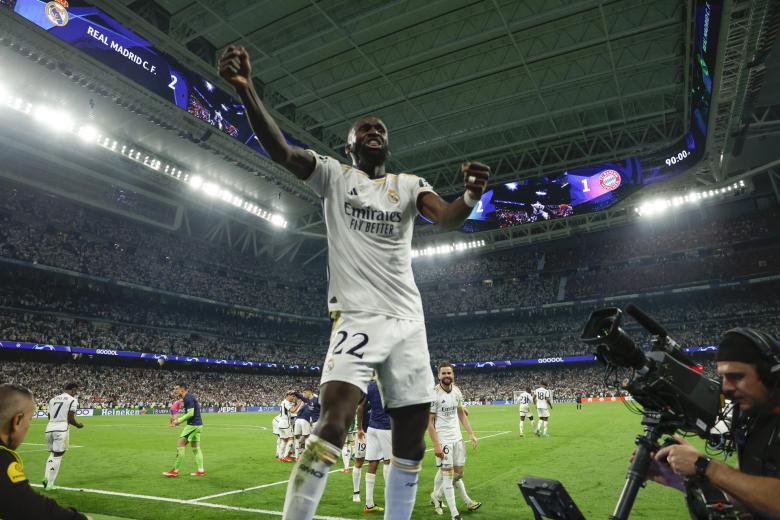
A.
pixel 334 300
pixel 353 192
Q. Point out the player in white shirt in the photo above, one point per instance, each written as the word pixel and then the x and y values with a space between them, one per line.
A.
pixel 543 401
pixel 446 415
pixel 287 409
pixel 62 413
pixel 378 317
pixel 524 401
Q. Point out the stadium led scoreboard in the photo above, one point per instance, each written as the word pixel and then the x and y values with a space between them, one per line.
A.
pixel 600 186
pixel 93 32
pixel 575 191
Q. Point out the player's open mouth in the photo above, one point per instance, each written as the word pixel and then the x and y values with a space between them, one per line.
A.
pixel 374 143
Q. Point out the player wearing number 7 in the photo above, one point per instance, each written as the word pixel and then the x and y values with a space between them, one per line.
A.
pixel 379 323
pixel 62 413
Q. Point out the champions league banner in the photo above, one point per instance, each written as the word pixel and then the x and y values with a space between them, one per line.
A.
pixel 313 368
pixel 145 355
pixel 91 31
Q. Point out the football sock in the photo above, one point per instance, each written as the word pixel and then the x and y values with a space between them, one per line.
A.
pixel 298 448
pixel 449 492
pixel 198 458
pixel 461 487
pixel 279 445
pixel 545 427
pixel 437 484
pixel 401 488
pixel 52 468
pixel 356 478
pixel 307 482
pixel 522 425
pixel 345 455
pixel 287 448
pixel 179 458
pixel 385 469
pixel 370 478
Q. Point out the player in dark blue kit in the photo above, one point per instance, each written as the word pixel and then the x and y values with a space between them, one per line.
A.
pixel 190 434
pixel 378 439
pixel 308 414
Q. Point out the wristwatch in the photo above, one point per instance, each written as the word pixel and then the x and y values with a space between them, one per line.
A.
pixel 701 465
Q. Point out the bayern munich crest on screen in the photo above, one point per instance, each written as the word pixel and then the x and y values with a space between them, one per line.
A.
pixel 609 180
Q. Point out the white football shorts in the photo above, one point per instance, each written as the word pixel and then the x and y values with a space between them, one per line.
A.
pixel 58 441
pixel 302 428
pixel 543 412
pixel 454 454
pixel 379 444
pixel 397 349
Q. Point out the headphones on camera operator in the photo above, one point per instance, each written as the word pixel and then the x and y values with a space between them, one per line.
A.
pixel 704 500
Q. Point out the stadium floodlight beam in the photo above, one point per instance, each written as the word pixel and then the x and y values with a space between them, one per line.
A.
pixel 53 119
pixel 88 134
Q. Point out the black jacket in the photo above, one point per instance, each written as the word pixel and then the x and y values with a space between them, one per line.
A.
pixel 18 501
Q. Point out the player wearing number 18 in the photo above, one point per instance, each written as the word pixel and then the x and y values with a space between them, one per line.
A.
pixel 379 323
pixel 62 414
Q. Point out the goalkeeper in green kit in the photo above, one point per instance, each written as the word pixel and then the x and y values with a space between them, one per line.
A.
pixel 190 434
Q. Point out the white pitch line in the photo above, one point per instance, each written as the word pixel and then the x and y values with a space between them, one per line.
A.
pixel 44 444
pixel 183 502
pixel 236 491
pixel 261 486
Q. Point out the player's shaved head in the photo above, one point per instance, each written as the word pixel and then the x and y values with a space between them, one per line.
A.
pixel 16 409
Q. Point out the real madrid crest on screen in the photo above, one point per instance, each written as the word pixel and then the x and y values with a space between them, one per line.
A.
pixel 57 12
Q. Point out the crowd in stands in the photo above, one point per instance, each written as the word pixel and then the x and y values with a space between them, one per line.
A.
pixel 693 319
pixel 43 229
pixel 109 386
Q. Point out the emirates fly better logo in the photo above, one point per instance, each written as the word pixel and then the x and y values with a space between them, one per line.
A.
pixel 609 180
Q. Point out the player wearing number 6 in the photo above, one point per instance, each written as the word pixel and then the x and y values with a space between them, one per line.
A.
pixel 444 428
pixel 62 413
pixel 379 324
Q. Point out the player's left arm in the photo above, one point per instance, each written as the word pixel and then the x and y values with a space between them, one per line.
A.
pixel 451 215
pixel 72 415
pixel 464 419
pixel 189 414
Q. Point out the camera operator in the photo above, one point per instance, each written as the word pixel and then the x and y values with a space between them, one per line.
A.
pixel 749 366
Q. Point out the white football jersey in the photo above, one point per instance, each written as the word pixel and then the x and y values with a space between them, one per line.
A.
pixel 58 412
pixel 284 415
pixel 524 400
pixel 445 407
pixel 543 397
pixel 370 224
pixel 275 424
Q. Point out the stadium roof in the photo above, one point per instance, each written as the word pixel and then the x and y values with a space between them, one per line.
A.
pixel 529 87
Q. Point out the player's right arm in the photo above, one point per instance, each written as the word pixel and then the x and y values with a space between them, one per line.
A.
pixel 437 449
pixel 236 68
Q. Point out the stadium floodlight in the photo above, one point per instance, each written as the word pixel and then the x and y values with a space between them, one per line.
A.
pixel 53 119
pixel 196 181
pixel 88 134
pixel 278 221
pixel 210 189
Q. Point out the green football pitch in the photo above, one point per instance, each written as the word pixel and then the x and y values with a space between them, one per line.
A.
pixel 115 463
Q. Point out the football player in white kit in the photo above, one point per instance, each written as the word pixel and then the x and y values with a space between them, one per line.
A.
pixel 286 422
pixel 524 401
pixel 543 401
pixel 446 414
pixel 378 317
pixel 62 413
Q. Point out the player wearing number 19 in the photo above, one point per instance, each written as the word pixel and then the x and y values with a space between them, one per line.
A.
pixel 379 323
pixel 62 414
